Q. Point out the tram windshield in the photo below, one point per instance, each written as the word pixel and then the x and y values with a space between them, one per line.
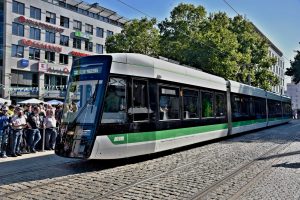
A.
pixel 85 90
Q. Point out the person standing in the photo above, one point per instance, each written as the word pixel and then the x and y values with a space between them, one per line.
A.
pixel 18 123
pixel 4 131
pixel 34 122
pixel 51 133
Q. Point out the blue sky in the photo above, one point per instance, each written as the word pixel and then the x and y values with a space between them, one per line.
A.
pixel 277 19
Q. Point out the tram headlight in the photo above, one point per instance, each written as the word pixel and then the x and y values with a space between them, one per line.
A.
pixel 70 133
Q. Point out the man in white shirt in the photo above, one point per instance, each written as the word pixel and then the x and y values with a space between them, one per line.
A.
pixel 18 123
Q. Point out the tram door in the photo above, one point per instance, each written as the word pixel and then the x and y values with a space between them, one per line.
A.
pixel 140 113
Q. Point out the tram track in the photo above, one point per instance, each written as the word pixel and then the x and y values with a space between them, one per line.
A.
pixel 151 177
pixel 203 193
pixel 207 189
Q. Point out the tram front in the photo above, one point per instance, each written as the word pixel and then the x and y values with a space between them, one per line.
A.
pixel 83 106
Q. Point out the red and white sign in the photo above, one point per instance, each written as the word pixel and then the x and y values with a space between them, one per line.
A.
pixel 31 22
pixel 58 70
pixel 78 54
pixel 40 45
pixel 43 67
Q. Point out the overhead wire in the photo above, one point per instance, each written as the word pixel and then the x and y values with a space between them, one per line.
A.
pixel 144 13
pixel 230 6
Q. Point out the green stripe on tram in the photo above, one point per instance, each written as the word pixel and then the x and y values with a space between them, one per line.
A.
pixel 124 138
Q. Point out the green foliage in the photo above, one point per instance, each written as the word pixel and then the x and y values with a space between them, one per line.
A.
pixel 138 36
pixel 294 70
pixel 228 47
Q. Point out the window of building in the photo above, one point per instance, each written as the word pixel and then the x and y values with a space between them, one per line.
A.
pixel 55 82
pixel 88 46
pixel 99 32
pixel 76 43
pixel 169 103
pixel 50 17
pixel 89 29
pixel 63 59
pixel 35 33
pixel 34 53
pixel 109 33
pixel 140 108
pixel 23 78
pixel 207 99
pixel 99 48
pixel 77 25
pixel 64 21
pixel 17 29
pixel 17 51
pixel 35 79
pixel 114 110
pixel 220 105
pixel 64 40
pixel 50 56
pixel 35 13
pixel 18 7
pixel 50 37
pixel 190 104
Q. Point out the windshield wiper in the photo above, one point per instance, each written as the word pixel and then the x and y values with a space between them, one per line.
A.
pixel 90 101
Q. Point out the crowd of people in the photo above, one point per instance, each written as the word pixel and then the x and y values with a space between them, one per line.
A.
pixel 21 128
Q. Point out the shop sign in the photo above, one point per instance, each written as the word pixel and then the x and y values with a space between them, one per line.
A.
pixel 40 45
pixel 24 62
pixel 78 54
pixel 31 22
pixel 43 67
pixel 58 70
pixel 83 35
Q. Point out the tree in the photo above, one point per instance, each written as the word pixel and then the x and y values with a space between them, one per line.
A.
pixel 294 70
pixel 138 36
pixel 230 48
pixel 255 61
pixel 180 31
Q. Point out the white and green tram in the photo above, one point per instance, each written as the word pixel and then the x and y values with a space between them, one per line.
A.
pixel 124 105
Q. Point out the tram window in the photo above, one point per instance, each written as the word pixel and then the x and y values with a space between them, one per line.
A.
pixel 190 104
pixel 140 109
pixel 287 109
pixel 220 105
pixel 207 104
pixel 169 103
pixel 114 110
pixel 260 108
pixel 274 108
pixel 241 106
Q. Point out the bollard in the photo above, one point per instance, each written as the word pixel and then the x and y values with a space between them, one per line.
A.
pixel 43 142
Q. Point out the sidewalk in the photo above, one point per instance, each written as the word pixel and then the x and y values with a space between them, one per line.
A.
pixel 27 155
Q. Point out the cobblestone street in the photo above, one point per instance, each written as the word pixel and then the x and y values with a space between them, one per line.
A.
pixel 257 165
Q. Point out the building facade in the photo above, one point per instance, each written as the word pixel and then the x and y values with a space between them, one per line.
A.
pixel 42 37
pixel 293 91
pixel 278 68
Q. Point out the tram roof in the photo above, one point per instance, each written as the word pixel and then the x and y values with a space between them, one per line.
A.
pixel 241 88
pixel 149 67
pixel 146 66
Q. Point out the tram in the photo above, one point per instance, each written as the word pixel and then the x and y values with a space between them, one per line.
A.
pixel 123 105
